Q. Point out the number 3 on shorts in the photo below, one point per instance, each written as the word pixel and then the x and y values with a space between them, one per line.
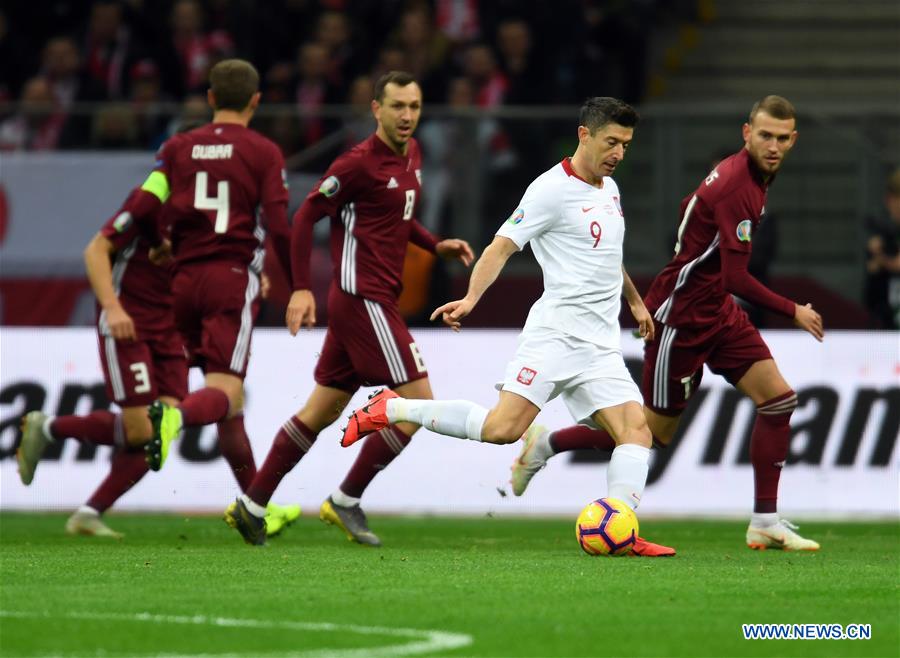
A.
pixel 417 357
pixel 141 377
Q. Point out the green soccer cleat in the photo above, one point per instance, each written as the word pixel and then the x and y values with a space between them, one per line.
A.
pixel 32 446
pixel 167 425
pixel 352 520
pixel 279 517
pixel 85 523
pixel 252 528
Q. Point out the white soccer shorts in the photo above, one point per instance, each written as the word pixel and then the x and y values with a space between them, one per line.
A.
pixel 549 363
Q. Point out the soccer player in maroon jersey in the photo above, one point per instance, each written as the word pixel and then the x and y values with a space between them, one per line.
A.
pixel 370 195
pixel 698 322
pixel 142 356
pixel 224 185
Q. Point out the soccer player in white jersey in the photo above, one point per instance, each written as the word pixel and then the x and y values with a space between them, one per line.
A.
pixel 570 345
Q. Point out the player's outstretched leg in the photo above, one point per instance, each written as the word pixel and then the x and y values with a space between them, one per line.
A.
pixel 251 526
pixel 167 425
pixel 371 417
pixel 34 442
pixel 87 521
pixel 349 518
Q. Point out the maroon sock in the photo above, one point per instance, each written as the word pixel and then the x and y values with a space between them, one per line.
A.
pixel 99 427
pixel 235 448
pixel 769 444
pixel 578 437
pixel 126 469
pixel 204 407
pixel 377 452
pixel 292 441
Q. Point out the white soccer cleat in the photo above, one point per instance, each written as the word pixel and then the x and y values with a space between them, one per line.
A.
pixel 529 460
pixel 780 536
pixel 85 523
pixel 32 446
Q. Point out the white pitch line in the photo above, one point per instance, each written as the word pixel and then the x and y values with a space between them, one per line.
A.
pixel 425 641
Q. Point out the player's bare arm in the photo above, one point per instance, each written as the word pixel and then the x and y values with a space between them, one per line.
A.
pixel 486 271
pixel 99 272
pixel 301 310
pixel 455 249
pixel 639 311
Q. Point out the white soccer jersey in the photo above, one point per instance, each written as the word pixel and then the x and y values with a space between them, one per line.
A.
pixel 576 232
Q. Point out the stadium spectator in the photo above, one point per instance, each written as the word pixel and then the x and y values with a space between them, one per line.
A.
pixel 698 323
pixel 312 90
pixel 38 122
pixel 371 195
pixel 109 50
pixel 61 66
pixel 333 32
pixel 191 50
pixel 882 286
pixel 523 69
pixel 146 96
pixel 426 51
pixel 570 343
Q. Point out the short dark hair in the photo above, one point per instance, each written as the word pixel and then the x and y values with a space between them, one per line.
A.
pixel 776 107
pixel 233 83
pixel 601 110
pixel 399 78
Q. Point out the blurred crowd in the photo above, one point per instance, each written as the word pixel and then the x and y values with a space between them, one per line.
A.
pixel 138 57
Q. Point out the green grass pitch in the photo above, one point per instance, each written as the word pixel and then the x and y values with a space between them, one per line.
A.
pixel 440 587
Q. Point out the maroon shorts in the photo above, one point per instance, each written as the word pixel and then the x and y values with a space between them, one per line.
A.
pixel 367 344
pixel 673 361
pixel 215 308
pixel 137 372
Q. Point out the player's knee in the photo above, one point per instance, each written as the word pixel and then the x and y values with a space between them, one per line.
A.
pixel 780 406
pixel 501 430
pixel 637 435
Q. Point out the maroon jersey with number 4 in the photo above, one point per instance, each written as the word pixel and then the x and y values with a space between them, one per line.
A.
pixel 371 194
pixel 714 243
pixel 143 288
pixel 220 177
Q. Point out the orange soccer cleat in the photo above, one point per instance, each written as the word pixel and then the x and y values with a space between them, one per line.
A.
pixel 369 418
pixel 644 548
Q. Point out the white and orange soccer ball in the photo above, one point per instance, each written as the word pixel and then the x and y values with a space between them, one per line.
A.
pixel 607 526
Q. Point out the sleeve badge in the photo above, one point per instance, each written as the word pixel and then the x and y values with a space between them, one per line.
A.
pixel 330 186
pixel 743 231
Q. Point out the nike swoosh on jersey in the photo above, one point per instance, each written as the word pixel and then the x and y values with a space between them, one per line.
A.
pixel 583 209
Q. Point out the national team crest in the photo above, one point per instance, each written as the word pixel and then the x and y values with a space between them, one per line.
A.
pixel 618 206
pixel 517 217
pixel 330 186
pixel 526 376
pixel 744 229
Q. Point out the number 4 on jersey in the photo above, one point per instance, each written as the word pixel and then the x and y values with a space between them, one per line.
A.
pixel 219 203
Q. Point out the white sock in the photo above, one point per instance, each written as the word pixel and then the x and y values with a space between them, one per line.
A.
pixel 763 520
pixel 459 418
pixel 46 428
pixel 341 499
pixel 254 508
pixel 626 476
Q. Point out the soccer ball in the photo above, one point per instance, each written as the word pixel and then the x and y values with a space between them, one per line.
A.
pixel 606 527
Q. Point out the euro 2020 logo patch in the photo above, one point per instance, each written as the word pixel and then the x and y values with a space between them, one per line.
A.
pixel 330 186
pixel 516 217
pixel 743 230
